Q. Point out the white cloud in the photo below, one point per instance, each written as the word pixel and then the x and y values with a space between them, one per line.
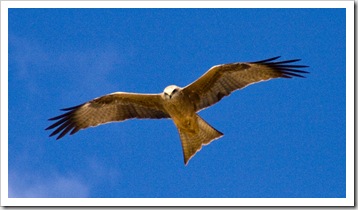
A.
pixel 86 69
pixel 52 186
pixel 101 173
pixel 25 53
pixel 32 64
pixel 49 182
pixel 32 67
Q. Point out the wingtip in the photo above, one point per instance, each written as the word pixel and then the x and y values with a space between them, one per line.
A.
pixel 52 118
pixel 57 138
pixel 71 108
pixel 268 60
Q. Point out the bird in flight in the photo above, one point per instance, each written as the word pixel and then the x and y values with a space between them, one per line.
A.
pixel 179 104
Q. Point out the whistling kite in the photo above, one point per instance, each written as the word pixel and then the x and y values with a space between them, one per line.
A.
pixel 179 104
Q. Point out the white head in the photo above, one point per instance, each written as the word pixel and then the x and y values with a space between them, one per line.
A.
pixel 171 91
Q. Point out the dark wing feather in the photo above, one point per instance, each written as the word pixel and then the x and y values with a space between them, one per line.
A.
pixel 221 80
pixel 109 108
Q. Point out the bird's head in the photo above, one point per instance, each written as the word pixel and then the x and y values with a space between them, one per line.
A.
pixel 170 92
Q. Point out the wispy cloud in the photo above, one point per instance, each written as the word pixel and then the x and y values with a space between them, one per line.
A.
pixel 101 173
pixel 31 68
pixel 69 184
pixel 53 186
pixel 87 69
pixel 24 54
pixel 32 63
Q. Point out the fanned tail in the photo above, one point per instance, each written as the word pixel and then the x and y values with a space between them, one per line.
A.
pixel 192 142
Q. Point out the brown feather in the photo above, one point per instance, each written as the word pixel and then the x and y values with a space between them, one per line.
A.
pixel 109 108
pixel 221 80
pixel 192 142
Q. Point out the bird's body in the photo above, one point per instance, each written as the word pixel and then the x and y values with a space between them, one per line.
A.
pixel 180 109
pixel 194 131
pixel 179 104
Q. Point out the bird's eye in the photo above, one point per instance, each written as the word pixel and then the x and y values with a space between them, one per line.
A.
pixel 175 90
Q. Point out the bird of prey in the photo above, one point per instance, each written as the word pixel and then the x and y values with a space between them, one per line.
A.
pixel 179 104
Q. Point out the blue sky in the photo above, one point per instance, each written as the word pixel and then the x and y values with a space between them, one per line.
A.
pixel 283 138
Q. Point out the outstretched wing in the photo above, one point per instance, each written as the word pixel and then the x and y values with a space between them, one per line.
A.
pixel 117 106
pixel 221 80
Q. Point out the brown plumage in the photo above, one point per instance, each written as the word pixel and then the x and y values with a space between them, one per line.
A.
pixel 179 104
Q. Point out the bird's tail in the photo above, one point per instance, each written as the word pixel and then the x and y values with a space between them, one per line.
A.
pixel 192 142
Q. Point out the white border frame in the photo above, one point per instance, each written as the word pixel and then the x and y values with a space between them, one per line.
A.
pixel 348 201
